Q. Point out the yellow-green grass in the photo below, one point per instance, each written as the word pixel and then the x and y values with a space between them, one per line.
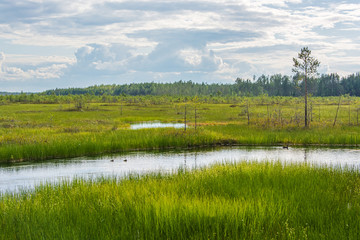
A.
pixel 343 136
pixel 87 144
pixel 227 201
pixel 43 131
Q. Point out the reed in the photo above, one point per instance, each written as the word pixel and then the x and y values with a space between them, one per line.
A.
pixel 227 201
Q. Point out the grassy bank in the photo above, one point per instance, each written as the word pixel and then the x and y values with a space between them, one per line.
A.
pixel 253 135
pixel 87 144
pixel 229 201
pixel 44 131
pixel 90 144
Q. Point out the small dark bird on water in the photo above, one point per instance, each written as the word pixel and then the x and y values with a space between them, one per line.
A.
pixel 125 160
pixel 111 160
pixel 286 147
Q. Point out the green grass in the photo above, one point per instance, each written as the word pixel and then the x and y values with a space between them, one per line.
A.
pixel 87 144
pixel 226 201
pixel 67 145
pixel 43 131
pixel 253 135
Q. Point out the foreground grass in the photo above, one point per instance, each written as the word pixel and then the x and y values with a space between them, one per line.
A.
pixel 226 201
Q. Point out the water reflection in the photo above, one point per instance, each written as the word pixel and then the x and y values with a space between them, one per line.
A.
pixel 156 125
pixel 185 160
pixel 306 152
pixel 27 175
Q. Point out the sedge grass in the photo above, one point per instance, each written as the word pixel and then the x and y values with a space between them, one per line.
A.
pixel 87 144
pixel 43 145
pixel 45 131
pixel 226 201
pixel 253 135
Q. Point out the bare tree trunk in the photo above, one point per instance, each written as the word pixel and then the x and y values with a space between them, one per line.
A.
pixel 310 112
pixel 195 118
pixel 185 119
pixel 306 112
pixel 337 111
pixel 349 113
pixel 121 108
pixel 248 114
pixel 268 115
pixel 280 119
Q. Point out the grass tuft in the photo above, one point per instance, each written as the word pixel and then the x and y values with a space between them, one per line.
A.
pixel 226 201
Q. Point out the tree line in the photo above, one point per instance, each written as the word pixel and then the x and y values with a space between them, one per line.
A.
pixel 274 85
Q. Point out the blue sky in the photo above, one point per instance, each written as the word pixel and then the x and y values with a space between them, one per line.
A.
pixel 46 44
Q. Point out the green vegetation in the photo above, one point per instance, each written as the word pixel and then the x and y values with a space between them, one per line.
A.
pixel 226 201
pixel 45 131
pixel 275 85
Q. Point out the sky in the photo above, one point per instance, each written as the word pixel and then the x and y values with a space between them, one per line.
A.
pixel 47 44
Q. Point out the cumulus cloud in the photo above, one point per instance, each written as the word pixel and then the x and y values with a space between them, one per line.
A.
pixel 176 51
pixel 98 58
pixel 106 40
pixel 47 71
pixel 172 58
pixel 2 59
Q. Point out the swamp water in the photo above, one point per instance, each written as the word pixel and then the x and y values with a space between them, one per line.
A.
pixel 156 124
pixel 22 176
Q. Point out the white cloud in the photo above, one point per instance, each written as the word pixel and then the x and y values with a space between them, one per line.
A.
pixel 18 74
pixel 197 39
pixel 191 56
pixel 48 71
pixel 2 59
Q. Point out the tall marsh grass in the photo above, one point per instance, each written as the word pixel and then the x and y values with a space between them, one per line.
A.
pixel 253 135
pixel 66 145
pixel 226 201
pixel 87 144
pixel 45 131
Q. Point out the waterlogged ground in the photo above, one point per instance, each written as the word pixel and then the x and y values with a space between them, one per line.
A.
pixel 17 177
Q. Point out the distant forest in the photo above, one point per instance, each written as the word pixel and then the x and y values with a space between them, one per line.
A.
pixel 275 85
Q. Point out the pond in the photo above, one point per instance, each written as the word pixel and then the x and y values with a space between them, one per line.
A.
pixel 156 125
pixel 22 176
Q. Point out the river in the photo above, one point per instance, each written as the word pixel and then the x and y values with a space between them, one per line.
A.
pixel 24 176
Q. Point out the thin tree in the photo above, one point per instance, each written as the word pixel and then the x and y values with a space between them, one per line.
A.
pixel 195 118
pixel 305 66
pixel 185 119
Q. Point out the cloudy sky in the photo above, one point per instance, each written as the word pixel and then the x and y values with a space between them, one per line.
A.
pixel 46 44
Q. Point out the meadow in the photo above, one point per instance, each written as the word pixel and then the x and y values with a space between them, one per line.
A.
pixel 32 132
pixel 243 200
pixel 226 201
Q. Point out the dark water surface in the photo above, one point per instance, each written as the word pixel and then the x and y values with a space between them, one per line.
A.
pixel 17 177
